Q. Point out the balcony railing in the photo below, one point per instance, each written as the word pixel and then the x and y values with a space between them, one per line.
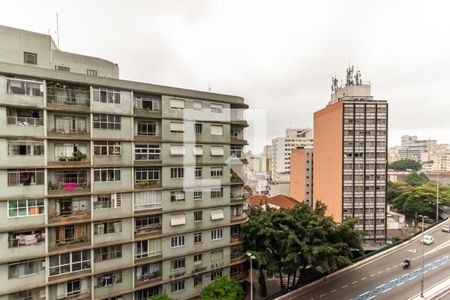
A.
pixel 146 206
pixel 70 130
pixel 80 294
pixel 58 186
pixel 72 241
pixel 26 240
pixel 148 228
pixel 68 96
pixel 25 121
pixel 235 238
pixel 72 216
pixel 147 277
pixel 148 254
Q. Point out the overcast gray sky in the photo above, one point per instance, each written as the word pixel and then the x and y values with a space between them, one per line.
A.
pixel 279 55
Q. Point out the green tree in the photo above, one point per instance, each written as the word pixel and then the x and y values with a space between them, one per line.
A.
pixel 161 297
pixel 416 179
pixel 405 165
pixel 395 189
pixel 222 288
pixel 421 199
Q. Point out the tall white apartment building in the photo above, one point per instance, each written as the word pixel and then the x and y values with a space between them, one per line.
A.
pixel 282 148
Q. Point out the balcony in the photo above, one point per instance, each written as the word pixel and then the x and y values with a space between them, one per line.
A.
pixel 147 105
pixel 78 295
pixel 28 238
pixel 147 226
pixel 148 273
pixel 65 96
pixel 70 154
pixel 235 239
pixel 238 217
pixel 68 182
pixel 68 210
pixel 25 121
pixel 69 236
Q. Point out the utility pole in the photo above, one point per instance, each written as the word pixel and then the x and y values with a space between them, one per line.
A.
pixel 421 281
pixel 437 197
pixel 252 257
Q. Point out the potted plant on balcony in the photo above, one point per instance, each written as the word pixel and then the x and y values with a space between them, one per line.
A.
pixel 144 183
pixel 78 156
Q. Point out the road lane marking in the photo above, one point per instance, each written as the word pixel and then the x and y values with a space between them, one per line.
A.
pixel 333 291
pixel 344 286
pixel 354 282
pixel 322 295
pixel 371 275
pixel 364 278
pixel 379 272
pixel 388 269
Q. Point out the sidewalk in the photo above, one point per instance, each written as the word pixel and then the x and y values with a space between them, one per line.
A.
pixel 435 291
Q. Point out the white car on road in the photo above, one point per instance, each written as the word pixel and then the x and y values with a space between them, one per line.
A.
pixel 427 240
pixel 446 228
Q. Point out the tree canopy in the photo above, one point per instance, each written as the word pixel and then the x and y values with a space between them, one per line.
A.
pixel 292 240
pixel 421 199
pixel 416 179
pixel 161 297
pixel 222 288
pixel 405 165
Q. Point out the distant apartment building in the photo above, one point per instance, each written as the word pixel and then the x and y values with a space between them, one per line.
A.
pixel 350 157
pixel 301 177
pixel 420 150
pixel 112 189
pixel 282 148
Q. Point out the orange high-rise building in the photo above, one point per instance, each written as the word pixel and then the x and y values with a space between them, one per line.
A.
pixel 301 183
pixel 350 157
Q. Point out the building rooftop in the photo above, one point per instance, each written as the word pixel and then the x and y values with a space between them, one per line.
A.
pixel 277 201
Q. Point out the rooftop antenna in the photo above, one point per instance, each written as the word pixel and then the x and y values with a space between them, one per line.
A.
pixel 209 87
pixel 57 29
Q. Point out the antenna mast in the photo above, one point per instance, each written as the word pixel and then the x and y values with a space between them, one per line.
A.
pixel 57 29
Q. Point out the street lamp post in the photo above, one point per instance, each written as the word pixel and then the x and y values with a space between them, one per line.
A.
pixel 437 197
pixel 421 281
pixel 252 257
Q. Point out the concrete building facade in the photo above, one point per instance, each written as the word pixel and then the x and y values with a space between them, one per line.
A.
pixel 301 176
pixel 112 189
pixel 350 158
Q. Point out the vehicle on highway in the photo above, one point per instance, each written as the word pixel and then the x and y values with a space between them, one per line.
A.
pixel 427 240
pixel 446 228
pixel 406 263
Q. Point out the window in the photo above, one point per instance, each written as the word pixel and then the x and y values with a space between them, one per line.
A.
pixel 108 201
pixel 198 172
pixel 24 117
pixel 197 106
pixel 32 294
pixel 71 152
pixel 148 293
pixel 26 238
pixel 30 58
pixel 216 108
pixel 198 150
pixel 216 234
pixel 176 104
pixel 25 208
pixel 198 128
pixel 198 216
pixel 198 237
pixel 198 279
pixel 90 72
pixel 24 87
pixel 147 200
pixel 147 224
pixel 217 255
pixel 27 267
pixel 108 227
pixel 217 214
pixel 70 124
pixel 216 171
pixel 217 192
pixel 148 248
pixel 149 128
pixel 106 175
pixel 176 173
pixel 177 196
pixel 70 262
pixel 217 151
pixel 179 219
pixel 236 150
pixel 178 264
pixel 107 122
pixel 62 68
pixel 106 95
pixel 107 253
pixel 214 274
pixel 176 127
pixel 145 151
pixel 177 241
pixel 108 279
pixel 143 176
pixel 176 150
pixel 72 288
pixel 177 286
pixel 148 272
pixel 107 148
pixel 198 194
pixel 198 259
pixel 216 130
pixel 25 177
pixel 147 102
